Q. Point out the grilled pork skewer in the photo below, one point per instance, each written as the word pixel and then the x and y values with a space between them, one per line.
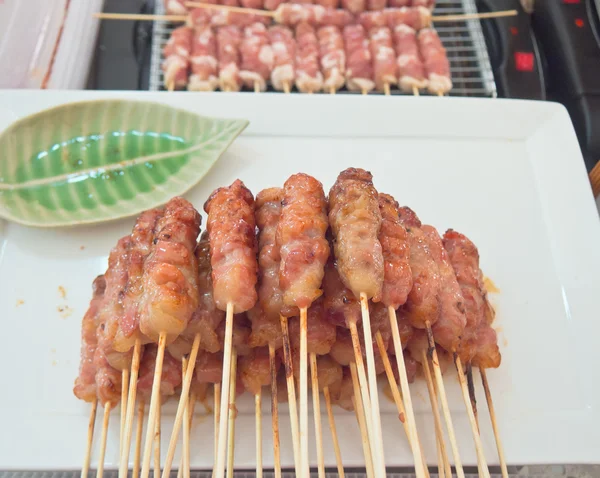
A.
pixel 479 345
pixel 304 251
pixel 422 309
pixel 397 284
pixel 170 294
pixel 231 232
pixel 85 383
pixel 355 222
pixel 128 335
pixel 203 325
pixel 265 316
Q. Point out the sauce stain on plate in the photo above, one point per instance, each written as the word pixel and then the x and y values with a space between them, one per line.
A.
pixel 65 311
pixel 490 286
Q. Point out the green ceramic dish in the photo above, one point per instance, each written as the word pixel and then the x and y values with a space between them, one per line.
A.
pixel 96 161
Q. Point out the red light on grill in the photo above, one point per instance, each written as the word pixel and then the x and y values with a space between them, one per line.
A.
pixel 524 61
pixel 514 30
pixel 579 23
pixel 571 1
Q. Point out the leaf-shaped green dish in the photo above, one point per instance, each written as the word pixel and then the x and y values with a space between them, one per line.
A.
pixel 95 161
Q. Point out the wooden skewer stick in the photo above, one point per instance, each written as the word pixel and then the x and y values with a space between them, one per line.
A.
pixel 445 457
pixel 334 435
pixel 444 464
pixel 154 404
pixel 217 413
pixel 441 470
pixel 396 395
pixel 140 16
pixel 475 431
pixel 386 89
pixel 185 448
pixel 224 405
pixel 256 87
pixel 374 392
pixel 133 376
pixel 186 433
pixel 317 414
pixel 179 416
pixel 362 380
pixel 286 87
pixel 253 11
pixel 444 399
pixel 191 408
pixel 232 415
pixel 490 403
pixel 137 454
pixel 360 417
pixel 291 390
pixel 472 397
pixel 258 417
pixel 415 91
pixel 272 14
pixel 473 401
pixel 157 440
pixel 100 470
pixel 304 393
pixel 474 16
pixel 90 439
pixel 124 393
pixel 275 413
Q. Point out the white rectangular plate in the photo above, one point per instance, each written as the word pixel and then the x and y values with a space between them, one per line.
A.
pixel 509 174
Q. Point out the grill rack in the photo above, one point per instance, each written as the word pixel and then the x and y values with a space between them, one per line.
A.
pixel 464 42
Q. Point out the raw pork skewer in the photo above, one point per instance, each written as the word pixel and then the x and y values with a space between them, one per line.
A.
pixel 229 39
pixel 333 57
pixel 435 60
pixel 283 46
pixel 384 59
pixel 411 71
pixel 204 60
pixel 414 17
pixel 309 78
pixel 359 70
pixel 177 58
pixel 256 57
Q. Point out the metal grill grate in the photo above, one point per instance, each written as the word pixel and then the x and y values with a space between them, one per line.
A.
pixel 535 471
pixel 469 61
